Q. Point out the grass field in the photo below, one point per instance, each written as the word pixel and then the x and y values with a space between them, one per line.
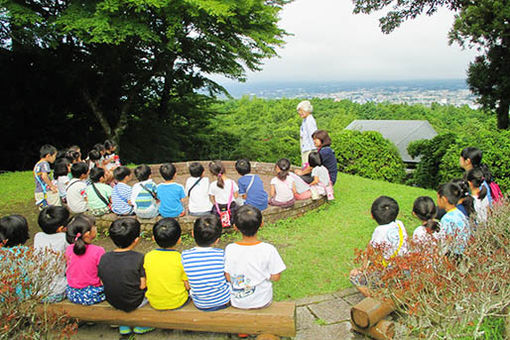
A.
pixel 317 248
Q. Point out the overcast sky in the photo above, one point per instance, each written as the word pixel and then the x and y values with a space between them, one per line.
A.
pixel 332 44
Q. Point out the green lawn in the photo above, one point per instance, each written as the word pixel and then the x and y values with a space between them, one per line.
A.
pixel 317 248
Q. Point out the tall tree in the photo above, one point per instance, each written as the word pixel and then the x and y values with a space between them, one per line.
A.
pixel 478 23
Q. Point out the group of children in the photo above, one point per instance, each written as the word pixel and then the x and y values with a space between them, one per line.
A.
pixel 462 206
pixel 240 276
pixel 99 186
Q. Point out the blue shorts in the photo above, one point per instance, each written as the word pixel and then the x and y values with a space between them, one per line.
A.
pixel 89 295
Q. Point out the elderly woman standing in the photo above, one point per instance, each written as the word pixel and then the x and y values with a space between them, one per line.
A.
pixel 308 127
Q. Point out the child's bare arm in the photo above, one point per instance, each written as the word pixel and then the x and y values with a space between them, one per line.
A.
pixel 46 180
pixel 315 180
pixel 236 194
pixel 213 201
pixel 294 191
pixel 143 283
pixel 186 284
pixel 275 277
pixel 227 276
pixel 272 191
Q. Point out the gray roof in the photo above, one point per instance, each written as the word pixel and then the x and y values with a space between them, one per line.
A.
pixel 400 132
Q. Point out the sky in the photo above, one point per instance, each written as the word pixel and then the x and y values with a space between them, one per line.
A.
pixel 330 43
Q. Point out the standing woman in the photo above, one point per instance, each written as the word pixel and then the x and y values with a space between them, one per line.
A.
pixel 308 127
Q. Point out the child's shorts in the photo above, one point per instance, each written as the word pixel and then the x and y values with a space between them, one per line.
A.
pixel 100 211
pixel 89 295
pixel 150 212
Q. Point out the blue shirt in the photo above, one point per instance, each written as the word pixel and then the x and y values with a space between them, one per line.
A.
pixel 256 196
pixel 455 225
pixel 329 161
pixel 205 268
pixel 121 194
pixel 170 195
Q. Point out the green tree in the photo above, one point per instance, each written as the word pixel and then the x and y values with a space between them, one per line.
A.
pixel 483 24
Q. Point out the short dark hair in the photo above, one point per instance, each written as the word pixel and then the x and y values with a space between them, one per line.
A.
pixel 47 149
pixel 13 230
pixel 384 210
pixel 314 159
pixel 121 172
pixel 99 147
pixel 96 173
pixel 243 166
pixel 206 230
pixel 78 169
pixel 109 144
pixel 196 169
pixel 142 172
pixel 52 217
pixel 451 191
pixel 167 171
pixel 94 155
pixel 72 155
pixel 167 232
pixel 323 136
pixel 124 231
pixel 248 220
pixel 473 154
pixel 61 167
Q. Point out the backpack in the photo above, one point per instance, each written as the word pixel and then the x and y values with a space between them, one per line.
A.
pixel 496 193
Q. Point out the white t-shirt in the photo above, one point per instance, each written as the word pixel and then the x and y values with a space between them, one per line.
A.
pixel 56 242
pixel 199 197
pixel 62 182
pixel 421 235
pixel 76 196
pixel 283 189
pixel 250 267
pixel 388 236
pixel 323 174
pixel 481 207
pixel 221 195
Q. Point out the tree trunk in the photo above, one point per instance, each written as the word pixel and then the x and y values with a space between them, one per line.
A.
pixel 99 115
pixel 502 112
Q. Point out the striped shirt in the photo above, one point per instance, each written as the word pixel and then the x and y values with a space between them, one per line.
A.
pixel 205 268
pixel 141 198
pixel 121 194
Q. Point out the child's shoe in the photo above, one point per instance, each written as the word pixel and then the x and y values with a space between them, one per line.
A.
pixel 315 194
pixel 124 330
pixel 143 330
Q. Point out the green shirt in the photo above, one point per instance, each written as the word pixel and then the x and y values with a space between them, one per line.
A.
pixel 94 202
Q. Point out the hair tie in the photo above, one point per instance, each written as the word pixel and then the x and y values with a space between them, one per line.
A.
pixel 219 175
pixel 77 237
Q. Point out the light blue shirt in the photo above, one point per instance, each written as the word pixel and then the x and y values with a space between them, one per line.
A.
pixel 455 225
pixel 308 127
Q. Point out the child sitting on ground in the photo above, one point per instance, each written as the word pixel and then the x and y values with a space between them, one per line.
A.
pixel 197 188
pixel 283 187
pixel 98 193
pixel 251 265
pixel 251 187
pixel 479 194
pixel 52 221
pixel 390 235
pixel 84 286
pixel 144 196
pixel 454 224
pixel 121 271
pixel 223 191
pixel 170 194
pixel 205 266
pixel 425 210
pixel 61 172
pixel 112 160
pixel 76 194
pixel 167 283
pixel 321 184
pixel 121 193
pixel 46 192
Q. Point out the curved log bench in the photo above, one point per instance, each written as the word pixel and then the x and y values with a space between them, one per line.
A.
pixel 264 170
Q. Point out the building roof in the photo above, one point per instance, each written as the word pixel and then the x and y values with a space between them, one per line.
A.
pixel 400 132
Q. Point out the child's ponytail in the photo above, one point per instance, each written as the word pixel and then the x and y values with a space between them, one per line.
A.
pixel 76 228
pixel 425 209
pixel 467 199
pixel 476 177
pixel 284 166
pixel 217 169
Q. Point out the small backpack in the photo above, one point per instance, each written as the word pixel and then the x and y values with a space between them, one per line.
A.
pixel 496 193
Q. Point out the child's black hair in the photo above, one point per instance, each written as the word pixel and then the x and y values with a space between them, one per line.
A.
pixel 142 172
pixel 475 156
pixel 467 199
pixel 96 174
pixel 76 228
pixel 109 144
pixel 248 220
pixel 217 169
pixel 196 169
pixel 384 210
pixel 243 166
pixel 425 209
pixel 323 136
pixel 99 147
pixel 475 176
pixel 13 230
pixel 47 149
pixel 314 159
pixel 72 155
pixel 94 155
pixel 53 217
pixel 284 165
pixel 61 167
pixel 451 191
pixel 79 169
pixel 167 232
pixel 167 171
pixel 121 172
pixel 124 231
pixel 206 230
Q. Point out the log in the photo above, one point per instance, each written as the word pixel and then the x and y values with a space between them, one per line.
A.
pixel 369 312
pixel 383 330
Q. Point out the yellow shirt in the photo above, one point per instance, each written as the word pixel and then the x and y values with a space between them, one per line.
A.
pixel 165 279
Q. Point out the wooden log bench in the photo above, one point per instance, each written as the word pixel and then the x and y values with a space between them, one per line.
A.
pixel 279 319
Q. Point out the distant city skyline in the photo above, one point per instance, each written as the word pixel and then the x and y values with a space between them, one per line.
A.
pixel 330 43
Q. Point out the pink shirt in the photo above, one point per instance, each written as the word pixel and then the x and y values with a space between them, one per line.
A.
pixel 81 270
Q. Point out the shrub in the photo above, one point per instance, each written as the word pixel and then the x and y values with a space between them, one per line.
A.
pixel 368 154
